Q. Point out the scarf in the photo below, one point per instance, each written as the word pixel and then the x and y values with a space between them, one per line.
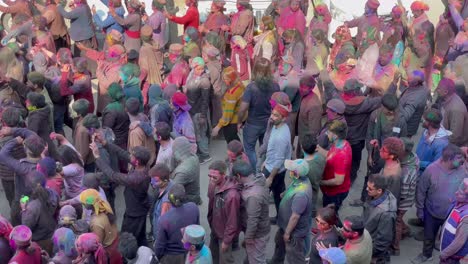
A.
pixel 88 245
pixel 91 197
pixel 5 228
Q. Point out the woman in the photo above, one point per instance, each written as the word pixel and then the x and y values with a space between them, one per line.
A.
pixel 191 17
pixel 67 217
pixel 159 108
pixel 102 224
pixel 266 44
pixel 38 211
pixel 214 22
pixel 150 61
pixel 48 167
pixel 26 251
pixel 240 58
pixel 72 170
pixel 256 100
pixel 64 246
pixel 294 47
pixel 90 250
pixel 230 105
pixel 325 233
pixel 131 23
pixel 5 250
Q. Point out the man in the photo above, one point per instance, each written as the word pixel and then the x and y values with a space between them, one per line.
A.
pixel 163 134
pixel 17 8
pixel 254 211
pixel 55 23
pixel 413 101
pixel 33 147
pixel 409 163
pixel 194 241
pixel 129 74
pixel 178 69
pixel 81 134
pixel 357 114
pixel 436 189
pixel 108 24
pixel 187 168
pixel 214 66
pixel 223 212
pixel 183 124
pixel 379 214
pixel 168 247
pixel 336 181
pixel 278 150
pixel 162 184
pixel 157 21
pixel 139 135
pixel 454 245
pixel 36 83
pixel 136 184
pixel 368 26
pixel 358 246
pixel 131 23
pixel 316 166
pixel 335 111
pixel 294 216
pixel 235 152
pixel 11 118
pixel 455 116
pixel 433 139
pixel 191 17
pixel 310 114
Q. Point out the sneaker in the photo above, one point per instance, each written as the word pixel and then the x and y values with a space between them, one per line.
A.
pixel 421 259
pixel 415 222
pixel 395 252
pixel 356 203
pixel 204 160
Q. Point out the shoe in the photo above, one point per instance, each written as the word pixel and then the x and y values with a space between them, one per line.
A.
pixel 421 259
pixel 406 235
pixel 273 220
pixel 419 236
pixel 204 160
pixel 394 252
pixel 415 222
pixel 356 203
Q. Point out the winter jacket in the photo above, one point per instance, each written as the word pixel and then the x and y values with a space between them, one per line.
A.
pixel 359 251
pixel 411 107
pixel 40 219
pixel 79 85
pixel 381 128
pixel 197 90
pixel 455 119
pixel 187 170
pixel 436 189
pixel 254 208
pixel 409 178
pixel 140 137
pixel 429 149
pixel 310 116
pixel 119 122
pixel 17 153
pixel 136 183
pixel 380 215
pixel 82 141
pixel 224 210
pixel 357 114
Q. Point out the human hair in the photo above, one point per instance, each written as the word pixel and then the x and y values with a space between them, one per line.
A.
pixel 241 168
pixel 394 146
pixel 91 121
pixel 64 56
pixel 308 81
pixel 433 117
pixel 339 128
pixel 235 146
pixel 11 116
pixel 268 22
pixel 39 191
pixel 128 69
pixel 379 181
pixel 448 85
pixel 390 101
pixel 308 144
pixel 81 107
pixel 36 99
pixel 36 78
pixel 230 75
pixel 450 152
pixel 161 171
pixel 177 195
pixel 90 181
pixel 128 245
pixel 132 105
pixel 328 214
pixel 35 145
pixel 68 156
pixel 218 165
pixel 81 64
pixel 163 130
pixel 262 75
pixel 357 224
pixel 142 154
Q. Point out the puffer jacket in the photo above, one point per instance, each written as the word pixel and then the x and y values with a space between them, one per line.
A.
pixel 409 179
pixel 429 149
pixel 411 107
pixel 357 113
pixel 224 210
pixel 255 220
pixel 380 215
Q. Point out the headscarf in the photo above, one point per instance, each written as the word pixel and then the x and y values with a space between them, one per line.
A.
pixel 87 245
pixel 67 215
pixel 116 94
pixel 5 228
pixel 155 95
pixel 281 98
pixel 91 197
pixel 64 240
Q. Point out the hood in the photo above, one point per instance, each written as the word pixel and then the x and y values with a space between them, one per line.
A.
pixel 41 112
pixel 182 149
pixel 441 133
pixel 389 203
pixel 257 179
pixel 155 95
pixel 115 92
pixel 411 161
pixel 231 183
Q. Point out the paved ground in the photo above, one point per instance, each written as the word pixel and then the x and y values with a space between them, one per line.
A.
pixel 409 247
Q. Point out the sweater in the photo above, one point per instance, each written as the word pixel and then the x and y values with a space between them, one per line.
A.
pixel 230 105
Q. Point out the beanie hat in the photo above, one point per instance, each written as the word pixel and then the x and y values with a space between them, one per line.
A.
pixel 336 105
pixel 91 121
pixel 36 78
pixel 180 99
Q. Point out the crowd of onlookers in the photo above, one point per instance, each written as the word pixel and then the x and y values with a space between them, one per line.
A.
pixel 162 98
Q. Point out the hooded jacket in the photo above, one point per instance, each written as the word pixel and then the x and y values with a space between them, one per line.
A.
pixel 187 170
pixel 224 210
pixel 409 179
pixel 357 114
pixel 115 118
pixel 429 149
pixel 380 215
pixel 255 220
pixel 455 119
pixel 138 136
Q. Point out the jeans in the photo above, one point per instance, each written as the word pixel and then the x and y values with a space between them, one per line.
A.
pixel 200 126
pixel 357 156
pixel 277 186
pixel 335 199
pixel 230 133
pixel 431 228
pixel 59 115
pixel 293 250
pixel 400 229
pixel 136 225
pixel 220 257
pixel 250 134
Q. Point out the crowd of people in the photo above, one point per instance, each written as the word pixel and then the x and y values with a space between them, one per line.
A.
pixel 296 112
